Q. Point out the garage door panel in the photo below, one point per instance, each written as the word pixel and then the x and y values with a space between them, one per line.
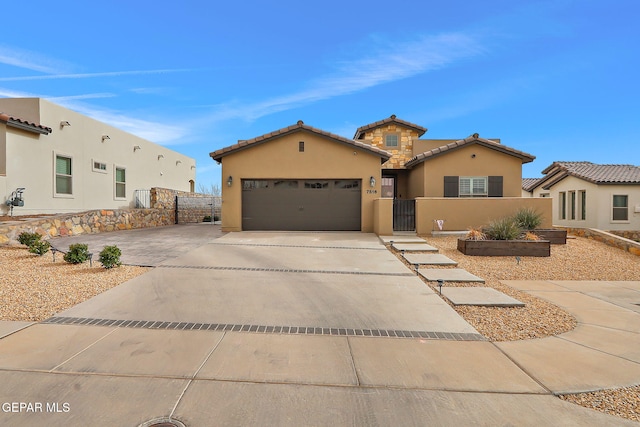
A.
pixel 310 205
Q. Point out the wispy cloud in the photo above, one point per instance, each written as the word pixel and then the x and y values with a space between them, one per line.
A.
pixel 32 61
pixel 386 62
pixel 61 99
pixel 93 75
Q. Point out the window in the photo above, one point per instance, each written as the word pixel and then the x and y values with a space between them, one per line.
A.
pixel 64 178
pixel 99 167
pixel 121 183
pixel 583 205
pixel 285 184
pixel 391 140
pixel 254 184
pixel 572 205
pixel 473 186
pixel 620 207
pixel 346 184
pixel 562 200
pixel 317 185
pixel 388 186
pixel 301 146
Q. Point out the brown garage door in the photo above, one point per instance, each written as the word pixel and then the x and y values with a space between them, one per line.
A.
pixel 301 204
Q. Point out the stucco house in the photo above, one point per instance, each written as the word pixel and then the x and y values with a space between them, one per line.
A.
pixel 68 162
pixel 589 195
pixel 386 178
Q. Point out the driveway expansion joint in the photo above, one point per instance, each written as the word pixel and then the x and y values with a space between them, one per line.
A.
pixel 285 270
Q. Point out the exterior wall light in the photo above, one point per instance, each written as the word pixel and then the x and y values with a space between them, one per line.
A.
pixel 160 156
pixel 136 148
pixel 372 181
pixel 64 123
pixel 178 162
pixel 105 137
pixel 229 181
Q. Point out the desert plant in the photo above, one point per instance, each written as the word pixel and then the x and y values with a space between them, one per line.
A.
pixel 528 218
pixel 531 236
pixel 503 229
pixel 77 254
pixel 207 218
pixel 28 239
pixel 39 247
pixel 110 256
pixel 475 234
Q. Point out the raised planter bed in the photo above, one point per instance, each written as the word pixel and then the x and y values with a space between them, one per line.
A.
pixel 540 248
pixel 555 235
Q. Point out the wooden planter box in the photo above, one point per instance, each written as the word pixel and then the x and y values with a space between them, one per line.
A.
pixel 505 247
pixel 555 235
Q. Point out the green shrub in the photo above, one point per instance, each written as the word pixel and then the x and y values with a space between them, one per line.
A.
pixel 77 254
pixel 207 218
pixel 110 256
pixel 39 247
pixel 28 239
pixel 528 218
pixel 503 229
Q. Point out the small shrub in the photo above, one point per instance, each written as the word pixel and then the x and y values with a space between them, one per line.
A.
pixel 531 236
pixel 39 247
pixel 77 254
pixel 475 234
pixel 216 217
pixel 207 218
pixel 528 218
pixel 110 256
pixel 503 229
pixel 28 239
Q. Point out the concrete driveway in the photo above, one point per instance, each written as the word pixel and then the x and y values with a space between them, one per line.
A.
pixel 273 329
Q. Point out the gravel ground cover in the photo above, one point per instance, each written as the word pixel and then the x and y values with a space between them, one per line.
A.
pixel 34 288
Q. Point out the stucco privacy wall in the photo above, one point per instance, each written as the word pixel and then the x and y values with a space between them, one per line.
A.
pixel 461 214
pixel 280 158
pixel 30 161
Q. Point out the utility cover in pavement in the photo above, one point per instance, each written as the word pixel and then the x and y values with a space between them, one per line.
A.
pixel 449 275
pixel 429 259
pixel 488 297
pixel 414 247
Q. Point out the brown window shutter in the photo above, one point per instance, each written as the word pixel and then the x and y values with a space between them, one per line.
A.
pixel 495 186
pixel 451 186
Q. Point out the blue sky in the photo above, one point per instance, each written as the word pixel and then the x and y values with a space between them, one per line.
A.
pixel 557 79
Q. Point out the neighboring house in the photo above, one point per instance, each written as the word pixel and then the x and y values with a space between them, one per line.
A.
pixel 589 195
pixel 68 162
pixel 303 178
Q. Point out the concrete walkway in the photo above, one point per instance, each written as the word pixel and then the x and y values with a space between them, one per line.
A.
pixel 305 329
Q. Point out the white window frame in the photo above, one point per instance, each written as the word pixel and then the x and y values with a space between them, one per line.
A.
pixel 472 180
pixel 99 170
pixel 620 221
pixel 115 182
pixel 55 176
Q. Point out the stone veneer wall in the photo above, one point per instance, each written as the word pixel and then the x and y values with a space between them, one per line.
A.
pixel 627 234
pixel 89 222
pixel 194 209
pixel 607 238
pixel 403 153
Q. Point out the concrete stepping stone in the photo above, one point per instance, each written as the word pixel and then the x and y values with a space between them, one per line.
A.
pixel 414 247
pixel 401 239
pixel 449 275
pixel 487 297
pixel 428 259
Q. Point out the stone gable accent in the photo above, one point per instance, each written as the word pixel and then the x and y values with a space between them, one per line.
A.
pixel 399 156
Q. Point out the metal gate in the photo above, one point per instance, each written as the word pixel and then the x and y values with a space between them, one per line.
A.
pixel 404 215
pixel 197 208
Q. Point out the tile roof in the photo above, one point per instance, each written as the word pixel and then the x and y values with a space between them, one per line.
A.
pixel 241 145
pixel 24 124
pixel 529 184
pixel 591 172
pixel 393 119
pixel 473 139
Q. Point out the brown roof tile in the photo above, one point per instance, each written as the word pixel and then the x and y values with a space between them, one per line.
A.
pixel 24 124
pixel 473 139
pixel 393 119
pixel 529 184
pixel 241 145
pixel 595 173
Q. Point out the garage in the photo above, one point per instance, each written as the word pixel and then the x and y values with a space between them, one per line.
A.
pixel 302 204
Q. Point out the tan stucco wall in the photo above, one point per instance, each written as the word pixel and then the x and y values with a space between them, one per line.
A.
pixel 463 213
pixel 383 217
pixel 31 158
pixel 459 162
pixel 400 155
pixel 599 204
pixel 280 159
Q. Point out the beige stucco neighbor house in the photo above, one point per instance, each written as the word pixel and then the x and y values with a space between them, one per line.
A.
pixel 386 178
pixel 589 195
pixel 68 162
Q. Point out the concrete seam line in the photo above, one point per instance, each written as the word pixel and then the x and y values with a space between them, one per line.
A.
pixel 353 363
pixel 84 349
pixel 598 350
pixel 195 374
pixel 529 374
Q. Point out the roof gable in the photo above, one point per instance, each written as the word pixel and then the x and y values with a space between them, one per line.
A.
pixel 473 139
pixel 528 184
pixel 17 123
pixel 300 126
pixel 391 120
pixel 590 172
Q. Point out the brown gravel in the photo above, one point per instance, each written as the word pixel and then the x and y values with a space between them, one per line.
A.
pixel 622 402
pixel 34 288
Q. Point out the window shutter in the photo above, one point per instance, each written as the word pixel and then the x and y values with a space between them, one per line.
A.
pixel 451 186
pixel 495 186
